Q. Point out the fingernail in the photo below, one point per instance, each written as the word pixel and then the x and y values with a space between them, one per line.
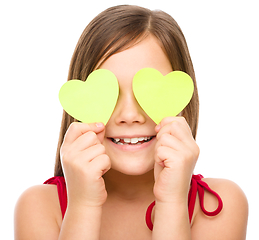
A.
pixel 158 127
pixel 99 124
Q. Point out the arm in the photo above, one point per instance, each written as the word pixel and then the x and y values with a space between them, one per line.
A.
pixel 176 156
pixel 171 222
pixel 230 224
pixel 84 162
pixel 81 223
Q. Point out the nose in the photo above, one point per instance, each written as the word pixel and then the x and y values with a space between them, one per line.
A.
pixel 128 111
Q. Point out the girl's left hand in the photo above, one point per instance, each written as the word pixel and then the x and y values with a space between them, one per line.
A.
pixel 175 158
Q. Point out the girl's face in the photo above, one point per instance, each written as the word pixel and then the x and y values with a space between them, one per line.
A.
pixel 130 133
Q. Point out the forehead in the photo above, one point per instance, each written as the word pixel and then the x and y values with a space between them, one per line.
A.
pixel 148 53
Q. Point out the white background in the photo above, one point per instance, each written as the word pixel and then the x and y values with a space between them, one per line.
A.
pixel 37 42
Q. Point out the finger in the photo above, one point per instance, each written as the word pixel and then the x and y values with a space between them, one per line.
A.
pixel 100 165
pixel 92 152
pixel 167 120
pixel 157 169
pixel 84 141
pixel 177 138
pixel 167 157
pixel 77 129
pixel 177 129
pixel 164 122
pixel 170 159
pixel 164 153
pixel 171 141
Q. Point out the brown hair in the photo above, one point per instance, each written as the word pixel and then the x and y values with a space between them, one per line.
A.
pixel 120 27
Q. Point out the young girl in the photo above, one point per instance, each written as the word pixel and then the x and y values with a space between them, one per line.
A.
pixel 108 187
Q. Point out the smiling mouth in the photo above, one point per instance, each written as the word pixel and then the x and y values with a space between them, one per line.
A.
pixel 131 141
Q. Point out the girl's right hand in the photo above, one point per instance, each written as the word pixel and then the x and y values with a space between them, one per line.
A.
pixel 84 162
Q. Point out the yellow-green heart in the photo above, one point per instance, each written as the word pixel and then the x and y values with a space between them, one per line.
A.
pixel 162 96
pixel 93 100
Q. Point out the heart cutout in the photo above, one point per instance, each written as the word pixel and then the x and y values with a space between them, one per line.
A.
pixel 93 100
pixel 162 96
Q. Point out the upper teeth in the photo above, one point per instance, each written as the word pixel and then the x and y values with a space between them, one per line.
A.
pixel 132 140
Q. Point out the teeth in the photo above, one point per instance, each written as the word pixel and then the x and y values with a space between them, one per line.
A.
pixel 126 141
pixel 134 140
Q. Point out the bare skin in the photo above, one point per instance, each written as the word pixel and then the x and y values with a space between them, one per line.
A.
pixel 110 186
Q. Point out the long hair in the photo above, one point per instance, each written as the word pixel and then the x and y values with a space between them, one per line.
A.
pixel 116 29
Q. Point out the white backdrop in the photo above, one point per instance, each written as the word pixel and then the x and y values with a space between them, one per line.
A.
pixel 37 42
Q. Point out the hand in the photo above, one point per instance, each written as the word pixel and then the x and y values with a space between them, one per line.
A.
pixel 84 162
pixel 175 158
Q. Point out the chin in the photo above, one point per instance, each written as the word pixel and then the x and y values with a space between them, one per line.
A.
pixel 132 167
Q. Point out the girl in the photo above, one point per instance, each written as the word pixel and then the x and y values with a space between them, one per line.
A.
pixel 108 187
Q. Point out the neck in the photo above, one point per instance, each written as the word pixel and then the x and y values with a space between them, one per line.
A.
pixel 129 187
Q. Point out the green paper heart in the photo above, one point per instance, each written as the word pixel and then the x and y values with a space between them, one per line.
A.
pixel 162 96
pixel 93 100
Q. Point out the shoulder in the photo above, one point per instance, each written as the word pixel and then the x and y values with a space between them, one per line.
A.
pixel 43 195
pixel 223 185
pixel 231 194
pixel 36 210
pixel 231 222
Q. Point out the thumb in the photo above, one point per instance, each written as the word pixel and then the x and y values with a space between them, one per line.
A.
pixel 96 127
pixel 100 131
pixel 157 170
pixel 77 129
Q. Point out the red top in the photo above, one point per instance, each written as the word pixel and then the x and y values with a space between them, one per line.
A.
pixel 197 185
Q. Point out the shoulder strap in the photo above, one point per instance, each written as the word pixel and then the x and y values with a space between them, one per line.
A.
pixel 201 186
pixel 148 215
pixel 62 191
pixel 197 185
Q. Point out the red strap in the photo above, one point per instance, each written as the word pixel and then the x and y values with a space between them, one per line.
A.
pixel 192 197
pixel 148 215
pixel 201 186
pixel 62 191
pixel 197 185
